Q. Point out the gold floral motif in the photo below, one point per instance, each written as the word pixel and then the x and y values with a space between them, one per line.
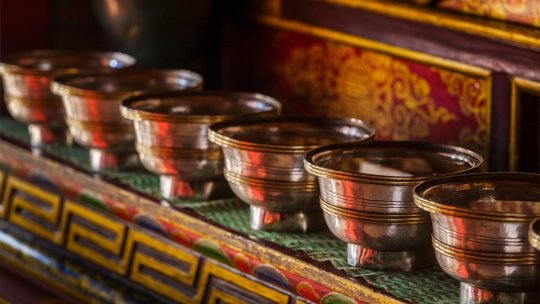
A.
pixel 374 87
pixel 523 11
pixel 473 97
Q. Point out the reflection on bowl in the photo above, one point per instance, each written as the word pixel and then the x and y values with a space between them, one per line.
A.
pixel 171 131
pixel 92 103
pixel 27 77
pixel 362 182
pixel 481 227
pixel 264 165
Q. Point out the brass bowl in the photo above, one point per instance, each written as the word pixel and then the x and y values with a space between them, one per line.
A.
pixel 27 77
pixel 487 212
pixel 361 182
pixel 92 103
pixel 534 234
pixel 264 165
pixel 171 131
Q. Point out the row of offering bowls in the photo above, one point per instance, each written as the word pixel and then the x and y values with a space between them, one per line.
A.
pixel 296 173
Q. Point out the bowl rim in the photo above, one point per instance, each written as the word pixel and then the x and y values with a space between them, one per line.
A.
pixel 238 179
pixel 178 153
pixel 60 85
pixel 485 257
pixel 374 217
pixel 7 66
pixel 97 126
pixel 129 112
pixel 227 142
pixel 323 172
pixel 446 209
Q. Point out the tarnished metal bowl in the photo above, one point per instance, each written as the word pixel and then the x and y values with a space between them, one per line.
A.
pixel 171 131
pixel 264 165
pixel 370 185
pixel 27 77
pixel 488 212
pixel 92 103
pixel 480 233
pixel 534 234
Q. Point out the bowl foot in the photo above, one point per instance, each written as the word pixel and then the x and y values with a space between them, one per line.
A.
pixel 469 294
pixel 300 221
pixel 172 187
pixel 102 160
pixel 41 135
pixel 357 255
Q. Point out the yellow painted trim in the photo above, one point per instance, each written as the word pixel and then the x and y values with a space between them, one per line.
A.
pixel 373 45
pixel 334 282
pixel 216 296
pixel 76 230
pixel 214 269
pixel 2 205
pixel 139 259
pixel 478 26
pixel 51 215
pixel 198 281
pixel 518 85
pixel 489 104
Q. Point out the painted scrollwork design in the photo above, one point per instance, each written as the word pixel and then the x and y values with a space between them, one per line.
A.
pixel 522 11
pixel 472 95
pixel 377 88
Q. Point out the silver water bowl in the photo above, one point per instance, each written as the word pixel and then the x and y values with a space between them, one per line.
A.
pixel 264 165
pixel 171 133
pixel 488 212
pixel 481 227
pixel 366 195
pixel 92 103
pixel 27 77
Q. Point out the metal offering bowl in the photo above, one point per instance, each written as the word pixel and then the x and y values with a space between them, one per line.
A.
pixel 366 195
pixel 171 131
pixel 480 230
pixel 534 234
pixel 381 241
pixel 379 176
pixel 27 77
pixel 92 103
pixel 264 164
pixel 271 195
pixel 389 232
pixel 491 277
pixel 487 212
